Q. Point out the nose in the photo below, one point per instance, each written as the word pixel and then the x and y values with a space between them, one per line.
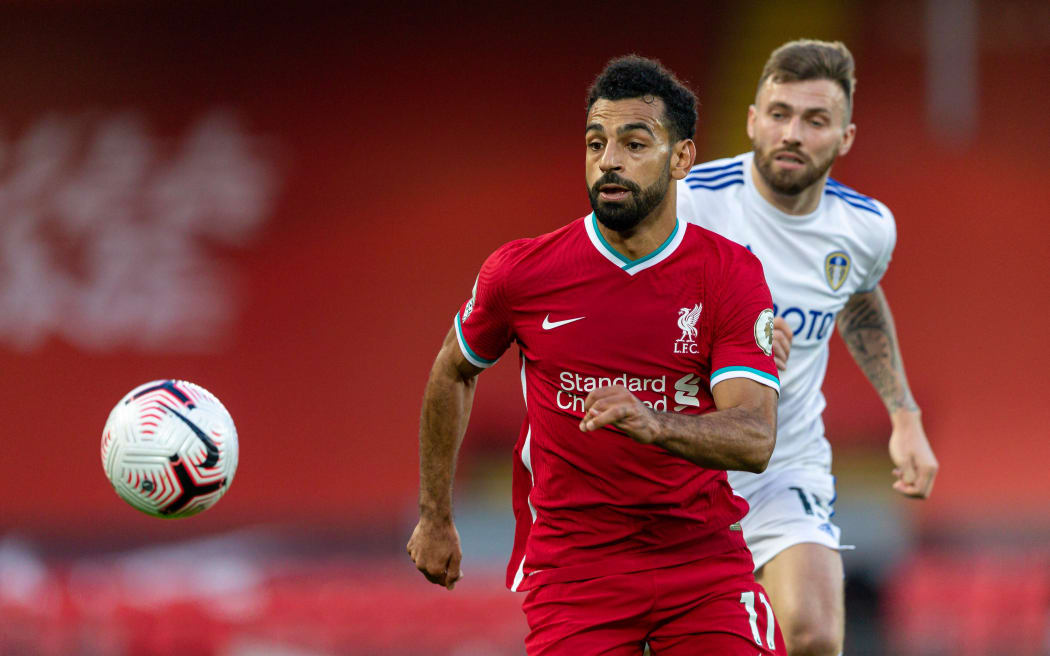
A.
pixel 792 131
pixel 611 159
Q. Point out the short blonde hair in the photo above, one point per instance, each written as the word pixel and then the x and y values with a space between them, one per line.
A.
pixel 808 59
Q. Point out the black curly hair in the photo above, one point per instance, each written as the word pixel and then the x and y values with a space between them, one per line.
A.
pixel 633 76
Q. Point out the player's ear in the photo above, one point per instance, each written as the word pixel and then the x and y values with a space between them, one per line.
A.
pixel 683 154
pixel 847 139
pixel 752 112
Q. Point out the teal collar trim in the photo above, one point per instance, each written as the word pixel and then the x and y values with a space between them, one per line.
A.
pixel 633 266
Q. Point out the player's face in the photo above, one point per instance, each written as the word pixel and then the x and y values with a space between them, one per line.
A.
pixel 629 160
pixel 797 130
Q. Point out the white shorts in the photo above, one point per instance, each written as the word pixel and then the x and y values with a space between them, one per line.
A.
pixel 789 507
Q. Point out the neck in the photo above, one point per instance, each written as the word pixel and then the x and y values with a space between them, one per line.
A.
pixel 649 234
pixel 804 202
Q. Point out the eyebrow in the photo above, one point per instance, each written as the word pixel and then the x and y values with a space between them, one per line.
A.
pixel 624 129
pixel 805 110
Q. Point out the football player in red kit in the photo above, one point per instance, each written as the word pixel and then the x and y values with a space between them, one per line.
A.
pixel 647 371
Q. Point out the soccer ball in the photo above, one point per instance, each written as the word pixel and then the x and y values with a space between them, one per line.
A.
pixel 170 448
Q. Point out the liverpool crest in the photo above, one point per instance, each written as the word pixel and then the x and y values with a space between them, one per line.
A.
pixel 687 324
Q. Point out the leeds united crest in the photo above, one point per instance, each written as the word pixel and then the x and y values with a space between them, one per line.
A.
pixel 836 268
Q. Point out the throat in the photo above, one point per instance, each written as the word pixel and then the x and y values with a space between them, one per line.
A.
pixel 642 240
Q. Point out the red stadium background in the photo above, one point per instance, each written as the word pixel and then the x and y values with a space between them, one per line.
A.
pixel 286 205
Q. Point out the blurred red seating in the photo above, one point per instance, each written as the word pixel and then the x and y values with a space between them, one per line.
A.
pixel 970 604
pixel 338 606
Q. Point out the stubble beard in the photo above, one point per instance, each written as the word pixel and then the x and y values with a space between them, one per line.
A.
pixel 790 183
pixel 624 217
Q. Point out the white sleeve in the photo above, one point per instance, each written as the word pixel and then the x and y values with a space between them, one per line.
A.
pixel 889 236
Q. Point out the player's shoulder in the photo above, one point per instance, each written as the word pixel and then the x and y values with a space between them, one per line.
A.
pixel 856 204
pixel 512 254
pixel 717 175
pixel 867 219
pixel 723 251
pixel 713 193
pixel 730 270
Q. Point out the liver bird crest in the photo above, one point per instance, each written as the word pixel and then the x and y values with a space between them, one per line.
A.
pixel 687 322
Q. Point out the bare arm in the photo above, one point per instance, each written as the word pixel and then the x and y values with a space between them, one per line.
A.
pixel 782 338
pixel 739 435
pixel 434 545
pixel 866 325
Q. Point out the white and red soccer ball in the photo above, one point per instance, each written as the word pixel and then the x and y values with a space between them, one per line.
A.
pixel 170 448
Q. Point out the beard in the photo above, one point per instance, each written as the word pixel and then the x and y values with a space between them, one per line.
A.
pixel 625 216
pixel 790 183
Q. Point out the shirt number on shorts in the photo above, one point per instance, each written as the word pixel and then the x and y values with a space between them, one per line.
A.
pixel 748 599
pixel 819 506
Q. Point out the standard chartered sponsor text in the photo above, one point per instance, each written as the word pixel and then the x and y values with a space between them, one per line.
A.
pixel 573 388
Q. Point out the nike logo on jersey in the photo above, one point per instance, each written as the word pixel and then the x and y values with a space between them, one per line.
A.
pixel 548 324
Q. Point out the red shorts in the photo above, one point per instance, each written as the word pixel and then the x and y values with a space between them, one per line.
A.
pixel 710 606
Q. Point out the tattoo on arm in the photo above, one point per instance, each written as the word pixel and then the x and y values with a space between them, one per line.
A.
pixel 866 325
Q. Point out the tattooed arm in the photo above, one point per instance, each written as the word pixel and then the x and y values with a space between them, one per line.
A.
pixel 866 325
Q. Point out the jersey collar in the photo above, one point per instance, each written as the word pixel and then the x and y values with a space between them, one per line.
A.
pixel 631 267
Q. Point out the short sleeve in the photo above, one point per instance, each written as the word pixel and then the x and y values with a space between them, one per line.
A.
pixel 871 281
pixel 743 346
pixel 482 324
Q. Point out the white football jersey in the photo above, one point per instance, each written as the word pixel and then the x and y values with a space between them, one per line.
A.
pixel 812 263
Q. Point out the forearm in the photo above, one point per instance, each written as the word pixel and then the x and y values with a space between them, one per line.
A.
pixel 443 421
pixel 866 326
pixel 734 438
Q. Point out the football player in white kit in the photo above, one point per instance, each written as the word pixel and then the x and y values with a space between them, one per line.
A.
pixel 824 248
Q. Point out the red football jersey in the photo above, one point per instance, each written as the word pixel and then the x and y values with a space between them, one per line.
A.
pixel 668 326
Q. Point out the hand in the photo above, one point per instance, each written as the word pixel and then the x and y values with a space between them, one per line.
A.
pixel 916 466
pixel 434 548
pixel 782 338
pixel 615 406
